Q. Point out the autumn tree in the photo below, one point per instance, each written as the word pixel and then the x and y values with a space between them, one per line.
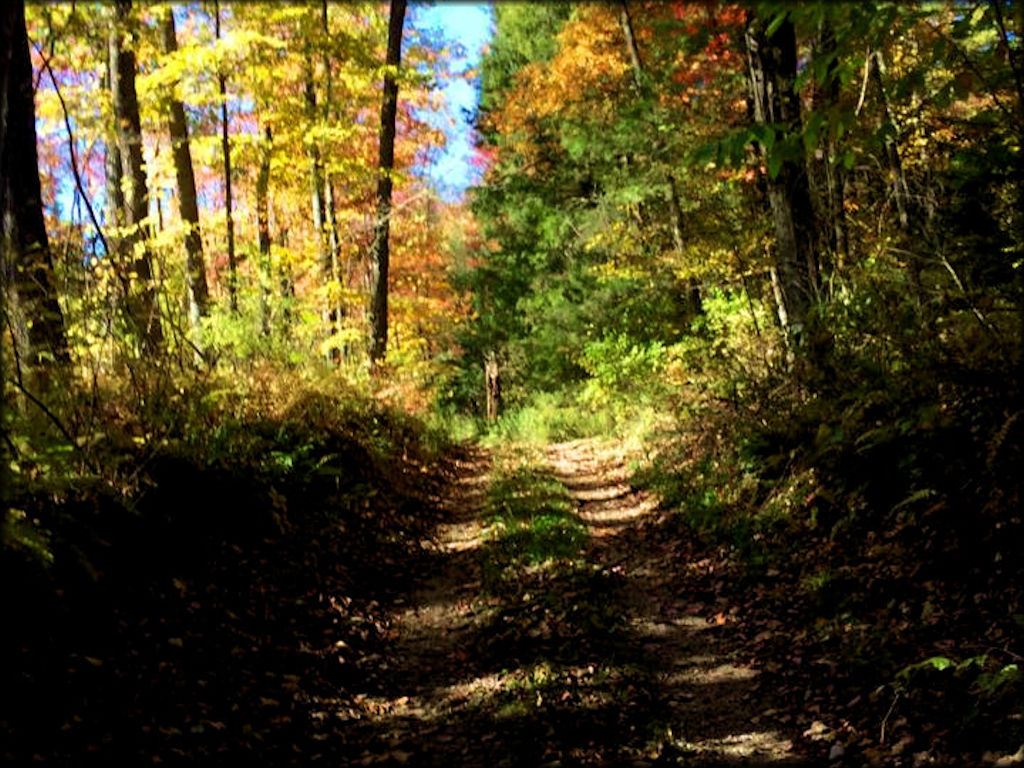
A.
pixel 325 253
pixel 142 301
pixel 26 263
pixel 379 252
pixel 577 203
pixel 195 265
pixel 225 148
pixel 263 227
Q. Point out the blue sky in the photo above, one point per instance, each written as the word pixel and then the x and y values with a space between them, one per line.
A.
pixel 465 29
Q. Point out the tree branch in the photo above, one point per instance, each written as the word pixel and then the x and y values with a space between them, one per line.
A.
pixel 71 150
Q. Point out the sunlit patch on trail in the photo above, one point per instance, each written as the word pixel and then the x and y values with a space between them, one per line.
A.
pixel 460 537
pixel 596 477
pixel 766 746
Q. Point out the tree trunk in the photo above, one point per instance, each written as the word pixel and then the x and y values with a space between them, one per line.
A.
pixel 780 301
pixel 115 203
pixel 318 204
pixel 330 205
pixel 195 265
pixel 225 148
pixel 142 301
pixel 379 251
pixel 287 280
pixel 116 207
pixel 826 174
pixel 26 264
pixel 263 227
pixel 114 172
pixel 631 47
pixel 772 72
pixel 675 209
pixel 334 246
pixel 492 376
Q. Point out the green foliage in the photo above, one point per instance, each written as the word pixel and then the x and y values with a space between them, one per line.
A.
pixel 525 33
pixel 271 426
pixel 236 335
pixel 625 376
pixel 548 417
pixel 979 688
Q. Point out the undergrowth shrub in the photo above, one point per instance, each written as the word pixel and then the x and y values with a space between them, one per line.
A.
pixel 872 494
pixel 166 446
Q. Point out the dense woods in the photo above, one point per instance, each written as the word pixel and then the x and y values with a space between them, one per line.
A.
pixel 774 252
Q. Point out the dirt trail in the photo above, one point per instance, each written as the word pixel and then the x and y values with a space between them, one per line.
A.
pixel 445 695
pixel 707 700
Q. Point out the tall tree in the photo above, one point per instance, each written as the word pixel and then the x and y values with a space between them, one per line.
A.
pixel 26 265
pixel 330 204
pixel 316 197
pixel 114 168
pixel 225 148
pixel 379 250
pixel 142 300
pixel 827 175
pixel 195 265
pixel 263 227
pixel 772 58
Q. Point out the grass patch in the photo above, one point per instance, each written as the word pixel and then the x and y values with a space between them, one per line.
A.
pixel 546 602
pixel 548 417
pixel 531 522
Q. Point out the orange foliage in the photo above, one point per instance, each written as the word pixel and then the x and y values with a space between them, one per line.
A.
pixel 590 75
pixel 585 78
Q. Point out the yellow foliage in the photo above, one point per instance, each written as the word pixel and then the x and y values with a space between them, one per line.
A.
pixel 582 80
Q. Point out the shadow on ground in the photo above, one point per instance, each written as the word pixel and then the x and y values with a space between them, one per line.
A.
pixel 588 661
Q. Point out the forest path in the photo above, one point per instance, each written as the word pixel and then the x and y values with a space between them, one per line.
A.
pixel 597 659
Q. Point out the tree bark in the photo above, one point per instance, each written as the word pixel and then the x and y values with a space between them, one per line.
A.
pixel 287 280
pixel 195 264
pixel 26 263
pixel 114 169
pixel 263 227
pixel 676 212
pixel 631 47
pixel 142 301
pixel 379 253
pixel 225 148
pixel 492 376
pixel 772 72
pixel 334 246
